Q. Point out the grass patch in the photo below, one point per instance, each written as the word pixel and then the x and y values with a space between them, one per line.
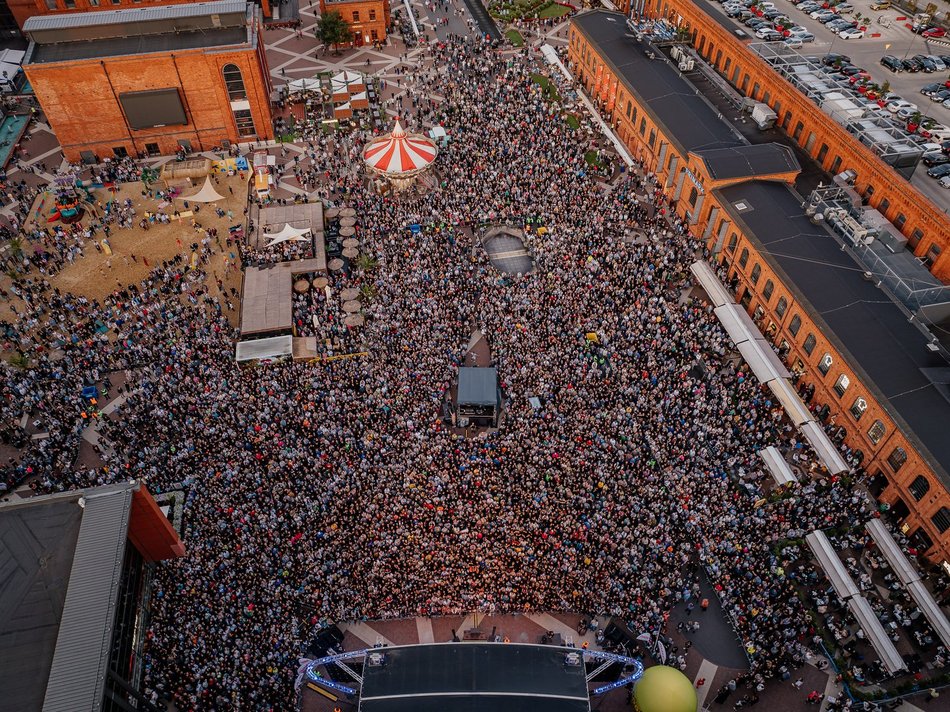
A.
pixel 549 89
pixel 593 160
pixel 553 10
pixel 572 122
pixel 515 38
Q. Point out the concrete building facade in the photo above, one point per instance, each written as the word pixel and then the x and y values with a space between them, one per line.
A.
pixel 858 362
pixel 152 80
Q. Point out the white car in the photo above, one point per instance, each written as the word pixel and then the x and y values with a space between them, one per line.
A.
pixel 939 63
pixel 793 42
pixel 898 104
pixel 907 112
pixel 851 34
pixel 944 182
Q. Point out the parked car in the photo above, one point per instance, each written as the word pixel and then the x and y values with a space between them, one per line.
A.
pixel 906 113
pixel 844 7
pixel 911 65
pixel 825 19
pixel 934 32
pixel 896 105
pixel 793 42
pixel 925 63
pixel 892 63
pixel 937 158
pixel 939 171
pixel 930 89
pixel 851 34
pixel 822 13
pixel 944 182
pixel 938 63
pixel 940 96
pixel 884 5
pixel 832 58
pixel 803 36
pixel 769 35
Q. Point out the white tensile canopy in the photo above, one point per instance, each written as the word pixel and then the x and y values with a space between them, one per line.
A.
pixel 777 465
pixel 207 194
pixel 311 84
pixel 342 81
pixel 287 234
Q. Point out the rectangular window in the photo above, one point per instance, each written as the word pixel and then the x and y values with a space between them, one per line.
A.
pixel 119 151
pixel 372 14
pixel 835 165
pixel 799 127
pixel 152 149
pixel 51 5
pixel 70 4
pixel 900 220
pixel 244 122
pixel 914 238
pixel 933 252
pixel 374 34
pixel 822 152
pixel 356 16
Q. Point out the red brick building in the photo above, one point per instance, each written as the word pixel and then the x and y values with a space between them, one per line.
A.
pixel 23 10
pixel 926 225
pixel 148 81
pixel 862 366
pixel 369 19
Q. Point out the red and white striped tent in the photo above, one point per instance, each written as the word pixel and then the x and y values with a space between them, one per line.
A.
pixel 399 156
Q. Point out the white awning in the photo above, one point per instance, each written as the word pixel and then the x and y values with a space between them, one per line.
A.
pixel 776 464
pixel 875 634
pixel 903 569
pixel 311 84
pixel 264 349
pixel 707 279
pixel 824 448
pixel 737 323
pixel 925 601
pixel 762 360
pixel 828 559
pixel 797 411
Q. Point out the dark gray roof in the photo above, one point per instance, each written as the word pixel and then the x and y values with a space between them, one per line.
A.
pixel 61 561
pixel 673 103
pixel 478 386
pixel 138 14
pixel 888 353
pixel 747 161
pixel 474 677
pixel 143 44
pixel 37 542
pixel 81 660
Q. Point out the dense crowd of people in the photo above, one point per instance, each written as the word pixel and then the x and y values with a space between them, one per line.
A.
pixel 339 491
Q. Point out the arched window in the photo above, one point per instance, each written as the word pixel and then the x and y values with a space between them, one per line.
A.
pixel 941 520
pixel 841 385
pixel 234 82
pixel 733 242
pixel 756 273
pixel 825 364
pixel 767 290
pixel 781 307
pixel 919 487
pixel 795 325
pixel 744 258
pixel 857 410
pixel 897 458
pixel 809 344
pixel 876 431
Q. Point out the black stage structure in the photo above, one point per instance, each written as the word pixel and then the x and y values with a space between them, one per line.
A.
pixel 478 397
pixel 468 677
pixel 474 677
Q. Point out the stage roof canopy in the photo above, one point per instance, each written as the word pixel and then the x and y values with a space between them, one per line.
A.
pixel 474 677
pixel 478 386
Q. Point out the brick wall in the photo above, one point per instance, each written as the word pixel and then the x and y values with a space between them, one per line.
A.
pixel 369 19
pixel 80 100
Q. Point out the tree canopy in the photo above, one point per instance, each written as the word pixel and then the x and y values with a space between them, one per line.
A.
pixel 333 30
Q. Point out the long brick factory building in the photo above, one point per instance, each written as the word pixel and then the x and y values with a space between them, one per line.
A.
pixel 151 80
pixel 860 350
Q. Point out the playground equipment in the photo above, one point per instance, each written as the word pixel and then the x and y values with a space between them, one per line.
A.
pixel 72 197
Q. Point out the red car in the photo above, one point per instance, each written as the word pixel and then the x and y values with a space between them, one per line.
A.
pixel 934 32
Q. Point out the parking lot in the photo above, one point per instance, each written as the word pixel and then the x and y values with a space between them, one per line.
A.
pixel 887 36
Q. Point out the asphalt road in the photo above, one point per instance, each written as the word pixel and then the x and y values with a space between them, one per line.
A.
pixel 866 52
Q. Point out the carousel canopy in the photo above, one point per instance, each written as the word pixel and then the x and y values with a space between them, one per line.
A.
pixel 399 153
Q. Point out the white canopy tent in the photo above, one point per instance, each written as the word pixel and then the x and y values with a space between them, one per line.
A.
pixel 794 407
pixel 823 447
pixel 903 569
pixel 828 559
pixel 707 279
pixel 776 464
pixel 875 634
pixel 277 347
pixel 925 601
pixel 311 84
pixel 737 323
pixel 207 194
pixel 287 234
pixel 762 360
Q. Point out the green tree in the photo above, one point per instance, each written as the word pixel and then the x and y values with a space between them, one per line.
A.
pixel 333 30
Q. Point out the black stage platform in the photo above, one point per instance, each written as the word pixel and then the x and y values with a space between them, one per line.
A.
pixel 474 677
